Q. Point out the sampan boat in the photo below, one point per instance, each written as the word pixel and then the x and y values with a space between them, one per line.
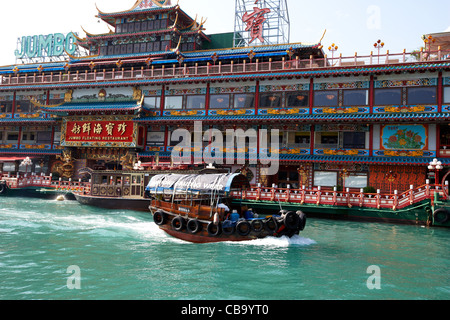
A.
pixel 197 208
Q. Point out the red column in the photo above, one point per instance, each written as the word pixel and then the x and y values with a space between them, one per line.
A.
pixel 371 94
pixel 440 91
pixel 311 95
pixel 208 98
pixel 257 97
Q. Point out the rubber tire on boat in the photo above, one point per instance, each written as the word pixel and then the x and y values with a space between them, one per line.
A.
pixel 178 223
pixel 243 228
pixel 160 218
pixel 214 230
pixel 258 225
pixel 291 220
pixel 194 226
pixel 2 188
pixel 229 230
pixel 271 224
pixel 302 223
pixel 441 215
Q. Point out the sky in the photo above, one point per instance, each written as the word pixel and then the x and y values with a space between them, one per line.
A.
pixel 353 25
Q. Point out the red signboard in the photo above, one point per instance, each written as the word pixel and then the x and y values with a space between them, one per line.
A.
pixel 99 131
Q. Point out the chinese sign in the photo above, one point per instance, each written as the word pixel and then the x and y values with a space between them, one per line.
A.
pixel 404 137
pixel 254 22
pixel 107 133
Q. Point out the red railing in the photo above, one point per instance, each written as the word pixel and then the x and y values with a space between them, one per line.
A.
pixel 342 198
pixel 182 71
pixel 31 180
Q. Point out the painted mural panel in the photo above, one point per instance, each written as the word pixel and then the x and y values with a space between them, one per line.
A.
pixel 404 137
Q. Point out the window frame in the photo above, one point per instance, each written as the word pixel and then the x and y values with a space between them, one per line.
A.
pixel 421 103
pixel 326 93
pixel 344 92
pixel 385 90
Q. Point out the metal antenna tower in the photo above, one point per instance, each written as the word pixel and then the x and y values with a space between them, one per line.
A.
pixel 269 22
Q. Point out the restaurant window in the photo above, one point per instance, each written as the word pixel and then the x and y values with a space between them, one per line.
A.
pixel 325 179
pixel 388 97
pixel 356 180
pixel 446 94
pixel 326 98
pixel 174 102
pixel 196 102
pixel 23 106
pixel 44 137
pixel 354 140
pixel 156 138
pixel 244 101
pixel 297 99
pixel 220 101
pixel 6 106
pixel 328 140
pixel 302 139
pixel 28 137
pixel 422 95
pixel 270 100
pixel 12 137
pixel 152 102
pixel 356 97
pixel 9 167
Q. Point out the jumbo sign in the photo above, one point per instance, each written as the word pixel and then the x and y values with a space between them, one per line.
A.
pixel 51 45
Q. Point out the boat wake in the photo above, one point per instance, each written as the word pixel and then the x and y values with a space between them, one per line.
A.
pixel 283 242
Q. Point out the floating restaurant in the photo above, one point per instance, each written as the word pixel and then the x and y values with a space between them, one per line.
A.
pixel 354 122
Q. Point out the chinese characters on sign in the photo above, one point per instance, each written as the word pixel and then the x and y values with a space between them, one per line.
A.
pixel 101 131
pixel 255 21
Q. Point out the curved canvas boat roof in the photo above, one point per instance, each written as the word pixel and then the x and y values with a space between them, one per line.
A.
pixel 196 183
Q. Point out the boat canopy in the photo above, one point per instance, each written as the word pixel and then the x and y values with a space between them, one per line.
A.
pixel 196 184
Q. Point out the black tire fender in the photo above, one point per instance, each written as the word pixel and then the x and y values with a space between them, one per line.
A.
pixel 160 218
pixel 214 230
pixel 441 215
pixel 243 228
pixel 178 223
pixel 194 226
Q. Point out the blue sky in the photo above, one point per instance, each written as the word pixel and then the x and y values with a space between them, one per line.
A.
pixel 354 25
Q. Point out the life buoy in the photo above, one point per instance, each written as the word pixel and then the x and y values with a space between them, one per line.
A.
pixel 441 215
pixel 257 225
pixel 160 218
pixel 243 228
pixel 214 230
pixel 178 223
pixel 194 226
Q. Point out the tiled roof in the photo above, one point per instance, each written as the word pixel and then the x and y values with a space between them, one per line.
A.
pixel 30 151
pixel 43 121
pixel 335 159
pixel 307 118
pixel 93 106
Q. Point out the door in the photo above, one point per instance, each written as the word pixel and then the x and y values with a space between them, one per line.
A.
pixel 137 185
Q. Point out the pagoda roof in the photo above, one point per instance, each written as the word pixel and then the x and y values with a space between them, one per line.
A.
pixel 142 7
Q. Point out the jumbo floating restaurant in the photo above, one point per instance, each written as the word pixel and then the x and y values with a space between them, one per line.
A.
pixel 376 121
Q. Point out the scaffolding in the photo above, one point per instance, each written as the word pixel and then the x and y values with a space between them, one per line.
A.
pixel 261 22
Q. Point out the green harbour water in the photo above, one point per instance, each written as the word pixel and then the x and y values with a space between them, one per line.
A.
pixel 123 255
